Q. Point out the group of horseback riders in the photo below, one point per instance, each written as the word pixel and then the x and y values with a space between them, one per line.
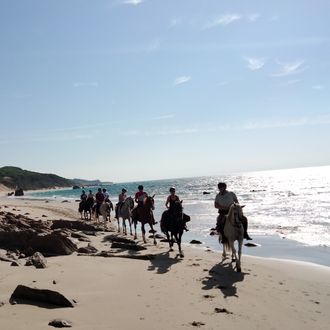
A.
pixel 90 202
pixel 223 200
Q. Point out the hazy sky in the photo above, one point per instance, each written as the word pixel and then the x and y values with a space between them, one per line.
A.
pixel 148 89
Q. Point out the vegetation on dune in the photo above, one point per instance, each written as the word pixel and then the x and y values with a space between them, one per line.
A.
pixel 13 177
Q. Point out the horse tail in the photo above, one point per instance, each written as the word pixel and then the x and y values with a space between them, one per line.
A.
pixel 225 243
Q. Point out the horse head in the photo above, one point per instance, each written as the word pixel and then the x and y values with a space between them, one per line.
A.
pixel 149 202
pixel 130 202
pixel 177 207
pixel 235 214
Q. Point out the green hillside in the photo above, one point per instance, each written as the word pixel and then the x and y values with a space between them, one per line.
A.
pixel 13 177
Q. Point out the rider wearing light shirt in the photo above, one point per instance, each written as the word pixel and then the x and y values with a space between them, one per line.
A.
pixel 222 202
pixel 121 199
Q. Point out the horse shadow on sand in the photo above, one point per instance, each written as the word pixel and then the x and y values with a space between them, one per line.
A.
pixel 223 276
pixel 163 262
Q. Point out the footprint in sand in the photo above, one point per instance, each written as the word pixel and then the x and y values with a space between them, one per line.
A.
pixel 208 296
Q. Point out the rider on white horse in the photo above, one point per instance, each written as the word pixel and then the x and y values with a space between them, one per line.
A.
pixel 121 199
pixel 222 202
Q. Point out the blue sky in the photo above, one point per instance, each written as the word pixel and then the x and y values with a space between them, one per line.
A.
pixel 135 90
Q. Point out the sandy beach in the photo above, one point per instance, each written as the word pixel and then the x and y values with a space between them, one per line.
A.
pixel 165 292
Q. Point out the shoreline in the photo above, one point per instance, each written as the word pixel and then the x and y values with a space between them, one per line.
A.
pixel 166 291
pixel 268 246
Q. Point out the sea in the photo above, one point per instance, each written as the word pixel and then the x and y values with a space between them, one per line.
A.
pixel 288 210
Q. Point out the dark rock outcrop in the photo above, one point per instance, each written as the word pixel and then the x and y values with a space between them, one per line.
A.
pixel 88 249
pixel 57 323
pixel 37 260
pixel 73 224
pixel 25 294
pixel 127 246
pixel 22 234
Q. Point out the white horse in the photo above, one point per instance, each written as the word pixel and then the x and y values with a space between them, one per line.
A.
pixel 233 231
pixel 105 210
pixel 125 212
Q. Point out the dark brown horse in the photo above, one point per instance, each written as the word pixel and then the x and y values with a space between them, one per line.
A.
pixel 144 215
pixel 173 223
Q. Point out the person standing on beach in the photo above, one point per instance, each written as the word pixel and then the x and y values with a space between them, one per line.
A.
pixel 223 201
pixel 121 199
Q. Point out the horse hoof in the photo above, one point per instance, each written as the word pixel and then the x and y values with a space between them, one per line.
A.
pixel 239 270
pixel 155 243
pixel 233 260
pixel 171 249
pixel 181 255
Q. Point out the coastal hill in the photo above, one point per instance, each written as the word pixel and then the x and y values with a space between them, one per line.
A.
pixel 13 177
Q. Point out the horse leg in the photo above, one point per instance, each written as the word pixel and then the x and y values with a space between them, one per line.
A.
pixel 104 221
pixel 124 226
pixel 143 232
pixel 170 243
pixel 130 226
pixel 223 248
pixel 178 241
pixel 135 235
pixel 118 225
pixel 233 251
pixel 238 262
pixel 153 232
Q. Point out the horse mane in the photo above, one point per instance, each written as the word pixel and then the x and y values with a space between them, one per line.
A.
pixel 231 211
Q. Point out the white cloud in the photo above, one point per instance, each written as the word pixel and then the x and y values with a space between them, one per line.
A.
pixel 86 84
pixel 133 2
pixel 290 68
pixel 253 17
pixel 255 63
pixel 251 124
pixel 292 82
pixel 223 20
pixel 181 80
pixel 318 87
pixel 175 22
pixel 153 46
pixel 162 117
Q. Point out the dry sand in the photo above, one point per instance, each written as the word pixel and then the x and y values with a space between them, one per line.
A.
pixel 167 292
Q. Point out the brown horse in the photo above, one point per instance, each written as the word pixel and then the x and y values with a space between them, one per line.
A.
pixel 172 224
pixel 144 215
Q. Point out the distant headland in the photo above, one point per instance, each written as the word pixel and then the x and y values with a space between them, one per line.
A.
pixel 14 177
